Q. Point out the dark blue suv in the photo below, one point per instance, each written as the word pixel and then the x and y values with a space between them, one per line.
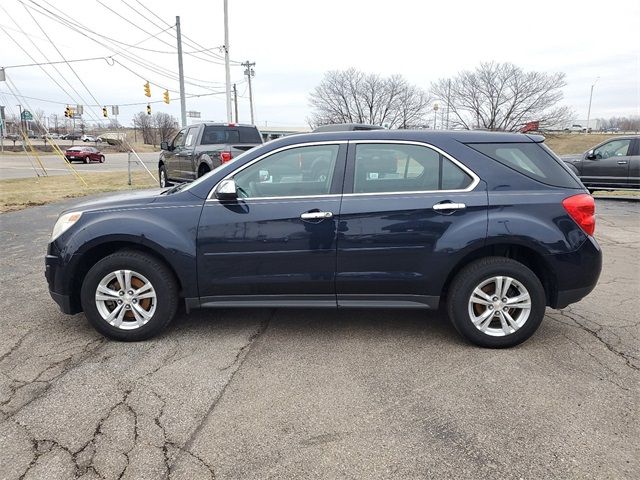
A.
pixel 491 225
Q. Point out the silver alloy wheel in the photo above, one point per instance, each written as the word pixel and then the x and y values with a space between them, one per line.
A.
pixel 499 306
pixel 126 299
pixel 163 179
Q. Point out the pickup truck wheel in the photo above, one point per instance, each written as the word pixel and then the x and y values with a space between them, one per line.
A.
pixel 129 296
pixel 203 170
pixel 162 175
pixel 496 302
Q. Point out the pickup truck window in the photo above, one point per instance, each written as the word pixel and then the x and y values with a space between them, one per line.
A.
pixel 213 135
pixel 249 135
pixel 191 137
pixel 614 148
pixel 179 138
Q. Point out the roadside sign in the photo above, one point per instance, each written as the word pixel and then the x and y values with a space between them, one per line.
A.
pixel 115 110
pixel 26 115
pixel 193 114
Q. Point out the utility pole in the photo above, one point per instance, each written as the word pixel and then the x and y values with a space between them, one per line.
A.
pixel 21 120
pixel 235 100
pixel 183 106
pixel 226 59
pixel 590 98
pixel 250 72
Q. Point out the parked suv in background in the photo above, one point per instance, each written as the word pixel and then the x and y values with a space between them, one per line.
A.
pixel 613 164
pixel 492 226
pixel 198 149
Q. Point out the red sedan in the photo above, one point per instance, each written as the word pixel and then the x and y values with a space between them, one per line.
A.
pixel 84 154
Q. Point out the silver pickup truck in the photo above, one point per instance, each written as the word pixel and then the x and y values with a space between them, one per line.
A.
pixel 198 149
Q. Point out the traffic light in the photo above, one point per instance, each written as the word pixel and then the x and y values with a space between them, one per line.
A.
pixel 104 112
pixel 68 112
pixel 148 109
pixel 147 89
pixel 166 96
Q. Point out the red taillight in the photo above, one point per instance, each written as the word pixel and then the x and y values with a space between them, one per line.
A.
pixel 582 208
pixel 225 156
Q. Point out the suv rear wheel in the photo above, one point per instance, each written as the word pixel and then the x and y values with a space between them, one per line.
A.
pixel 129 296
pixel 496 302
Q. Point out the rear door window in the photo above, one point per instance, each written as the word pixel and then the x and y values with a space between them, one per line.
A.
pixel 389 168
pixel 530 159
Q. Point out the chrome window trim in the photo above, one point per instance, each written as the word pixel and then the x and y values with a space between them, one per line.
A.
pixel 474 183
pixel 464 168
pixel 272 152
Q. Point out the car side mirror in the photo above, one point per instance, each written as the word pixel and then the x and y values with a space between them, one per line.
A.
pixel 590 155
pixel 164 145
pixel 227 190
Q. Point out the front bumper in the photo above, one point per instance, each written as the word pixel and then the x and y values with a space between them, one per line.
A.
pixel 58 285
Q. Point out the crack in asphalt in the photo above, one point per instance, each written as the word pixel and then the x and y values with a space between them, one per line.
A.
pixel 238 362
pixel 568 313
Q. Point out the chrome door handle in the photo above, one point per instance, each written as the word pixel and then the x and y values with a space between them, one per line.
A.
pixel 622 162
pixel 316 215
pixel 448 206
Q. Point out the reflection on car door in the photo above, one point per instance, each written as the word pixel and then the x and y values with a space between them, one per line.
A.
pixel 277 243
pixel 610 165
pixel 402 213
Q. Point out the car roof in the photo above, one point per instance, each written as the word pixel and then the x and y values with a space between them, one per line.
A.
pixel 427 136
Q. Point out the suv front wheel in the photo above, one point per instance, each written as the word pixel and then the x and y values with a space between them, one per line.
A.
pixel 129 296
pixel 496 302
pixel 162 176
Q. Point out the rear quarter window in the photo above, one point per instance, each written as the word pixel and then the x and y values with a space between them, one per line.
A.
pixel 530 159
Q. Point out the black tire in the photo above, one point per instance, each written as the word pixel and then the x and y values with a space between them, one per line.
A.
pixel 101 158
pixel 158 274
pixel 162 177
pixel 203 170
pixel 475 274
pixel 85 160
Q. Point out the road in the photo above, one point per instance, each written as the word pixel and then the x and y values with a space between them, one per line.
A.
pixel 20 166
pixel 244 394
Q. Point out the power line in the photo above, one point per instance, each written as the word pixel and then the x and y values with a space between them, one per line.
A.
pixel 73 24
pixel 69 22
pixel 193 43
pixel 61 55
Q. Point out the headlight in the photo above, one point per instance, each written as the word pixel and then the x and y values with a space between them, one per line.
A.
pixel 64 223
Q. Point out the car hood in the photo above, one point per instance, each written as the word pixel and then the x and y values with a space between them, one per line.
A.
pixel 122 200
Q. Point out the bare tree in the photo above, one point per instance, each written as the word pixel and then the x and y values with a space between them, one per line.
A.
pixel 351 96
pixel 143 122
pixel 501 96
pixel 113 123
pixel 166 125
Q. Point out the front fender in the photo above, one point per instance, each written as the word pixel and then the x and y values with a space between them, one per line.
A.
pixel 172 240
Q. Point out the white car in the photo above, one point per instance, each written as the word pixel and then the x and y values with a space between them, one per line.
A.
pixel 575 129
pixel 87 138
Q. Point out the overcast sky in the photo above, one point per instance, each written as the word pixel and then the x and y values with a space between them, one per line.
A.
pixel 293 42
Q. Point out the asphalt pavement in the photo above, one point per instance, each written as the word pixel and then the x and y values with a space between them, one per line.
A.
pixel 23 166
pixel 243 394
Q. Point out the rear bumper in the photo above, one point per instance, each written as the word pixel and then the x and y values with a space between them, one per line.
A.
pixel 577 273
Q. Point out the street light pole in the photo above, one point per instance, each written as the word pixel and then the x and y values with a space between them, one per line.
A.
pixel 227 72
pixel 590 98
pixel 21 124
